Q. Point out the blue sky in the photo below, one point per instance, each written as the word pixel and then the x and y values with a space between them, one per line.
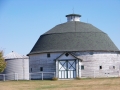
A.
pixel 23 21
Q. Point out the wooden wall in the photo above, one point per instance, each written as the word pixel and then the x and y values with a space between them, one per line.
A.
pixel 110 63
pixel 41 60
pixel 91 61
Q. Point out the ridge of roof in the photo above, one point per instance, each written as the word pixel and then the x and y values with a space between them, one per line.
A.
pixel 71 32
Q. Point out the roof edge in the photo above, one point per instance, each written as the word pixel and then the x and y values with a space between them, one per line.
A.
pixel 73 15
pixel 73 51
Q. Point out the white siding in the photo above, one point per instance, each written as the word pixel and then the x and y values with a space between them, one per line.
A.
pixel 41 60
pixel 93 62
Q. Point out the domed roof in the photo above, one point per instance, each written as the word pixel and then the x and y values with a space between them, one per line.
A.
pixel 73 27
pixel 73 36
pixel 14 55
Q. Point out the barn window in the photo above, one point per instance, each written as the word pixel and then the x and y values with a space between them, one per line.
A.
pixel 31 69
pixel 113 67
pixel 66 54
pixel 82 67
pixel 100 67
pixel 41 68
pixel 48 55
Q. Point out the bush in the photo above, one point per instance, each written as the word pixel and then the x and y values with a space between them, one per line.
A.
pixel 54 78
pixel 78 78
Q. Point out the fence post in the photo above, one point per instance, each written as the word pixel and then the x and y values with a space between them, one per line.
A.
pixel 42 75
pixel 14 76
pixel 118 73
pixel 3 77
pixel 29 76
pixel 94 73
pixel 17 76
pixel 54 74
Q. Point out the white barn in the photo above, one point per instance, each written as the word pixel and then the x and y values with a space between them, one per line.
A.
pixel 75 49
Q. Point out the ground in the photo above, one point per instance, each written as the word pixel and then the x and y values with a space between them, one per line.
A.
pixel 83 84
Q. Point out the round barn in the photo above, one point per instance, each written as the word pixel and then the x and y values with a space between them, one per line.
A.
pixel 75 49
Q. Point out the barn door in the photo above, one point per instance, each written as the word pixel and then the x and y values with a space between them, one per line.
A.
pixel 67 69
pixel 71 69
pixel 62 69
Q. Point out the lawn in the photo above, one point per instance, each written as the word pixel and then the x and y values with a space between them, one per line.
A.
pixel 83 84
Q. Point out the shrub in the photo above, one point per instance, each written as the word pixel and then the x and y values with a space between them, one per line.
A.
pixel 78 78
pixel 54 78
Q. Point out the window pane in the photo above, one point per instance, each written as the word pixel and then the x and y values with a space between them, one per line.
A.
pixel 48 54
pixel 100 67
pixel 41 68
pixel 82 67
pixel 113 67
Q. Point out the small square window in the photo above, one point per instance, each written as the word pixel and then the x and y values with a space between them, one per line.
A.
pixel 113 67
pixel 48 54
pixel 100 67
pixel 41 68
pixel 82 67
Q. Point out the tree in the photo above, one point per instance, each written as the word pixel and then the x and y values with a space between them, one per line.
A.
pixel 2 62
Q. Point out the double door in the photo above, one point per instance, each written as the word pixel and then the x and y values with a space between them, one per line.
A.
pixel 67 69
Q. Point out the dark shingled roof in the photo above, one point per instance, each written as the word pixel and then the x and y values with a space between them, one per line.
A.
pixel 73 36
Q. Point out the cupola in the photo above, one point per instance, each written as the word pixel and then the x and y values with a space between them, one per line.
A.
pixel 73 17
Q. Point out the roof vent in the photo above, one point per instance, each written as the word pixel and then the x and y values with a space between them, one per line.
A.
pixel 73 17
